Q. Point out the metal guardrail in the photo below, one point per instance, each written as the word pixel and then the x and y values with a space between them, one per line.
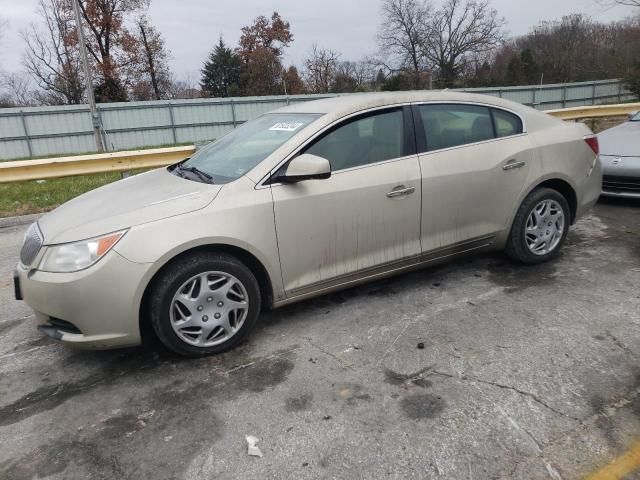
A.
pixel 599 111
pixel 159 157
pixel 89 164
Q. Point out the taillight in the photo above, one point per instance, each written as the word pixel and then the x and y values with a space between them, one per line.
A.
pixel 592 141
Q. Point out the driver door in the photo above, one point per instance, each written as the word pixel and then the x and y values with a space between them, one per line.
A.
pixel 361 221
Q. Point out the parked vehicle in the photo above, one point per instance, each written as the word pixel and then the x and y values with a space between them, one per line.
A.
pixel 620 157
pixel 309 199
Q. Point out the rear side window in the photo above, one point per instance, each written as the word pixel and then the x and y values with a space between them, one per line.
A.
pixel 364 140
pixel 506 123
pixel 451 125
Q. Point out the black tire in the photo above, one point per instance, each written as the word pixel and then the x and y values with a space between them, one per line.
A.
pixel 517 247
pixel 179 272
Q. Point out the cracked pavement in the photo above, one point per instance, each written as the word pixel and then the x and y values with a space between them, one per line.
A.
pixel 526 372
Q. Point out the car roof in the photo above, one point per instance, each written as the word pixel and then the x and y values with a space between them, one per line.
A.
pixel 334 109
pixel 346 104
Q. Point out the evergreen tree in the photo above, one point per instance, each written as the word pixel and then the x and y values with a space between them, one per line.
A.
pixel 110 90
pixel 294 84
pixel 221 72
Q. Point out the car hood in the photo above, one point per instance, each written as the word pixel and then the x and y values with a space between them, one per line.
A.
pixel 621 141
pixel 138 199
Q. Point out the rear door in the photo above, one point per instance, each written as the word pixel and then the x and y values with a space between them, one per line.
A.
pixel 474 160
pixel 365 217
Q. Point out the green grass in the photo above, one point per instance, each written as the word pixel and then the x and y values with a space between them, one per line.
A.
pixel 32 197
pixel 36 196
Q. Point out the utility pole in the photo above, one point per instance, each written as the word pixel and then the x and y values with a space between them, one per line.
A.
pixel 95 119
pixel 284 81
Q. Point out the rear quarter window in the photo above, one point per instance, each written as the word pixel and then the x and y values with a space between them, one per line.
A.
pixel 506 123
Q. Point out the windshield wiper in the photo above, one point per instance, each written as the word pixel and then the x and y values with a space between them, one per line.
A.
pixel 204 176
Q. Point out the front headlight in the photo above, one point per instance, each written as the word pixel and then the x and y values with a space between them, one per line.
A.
pixel 71 257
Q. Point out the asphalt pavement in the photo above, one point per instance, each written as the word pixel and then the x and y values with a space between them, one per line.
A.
pixel 526 373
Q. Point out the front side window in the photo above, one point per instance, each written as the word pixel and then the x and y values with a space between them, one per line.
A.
pixel 506 123
pixel 636 117
pixel 245 147
pixel 452 125
pixel 364 140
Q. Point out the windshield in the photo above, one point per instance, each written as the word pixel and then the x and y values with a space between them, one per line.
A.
pixel 245 147
pixel 636 117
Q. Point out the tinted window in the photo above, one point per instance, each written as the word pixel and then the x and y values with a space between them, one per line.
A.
pixel 506 123
pixel 452 125
pixel 369 139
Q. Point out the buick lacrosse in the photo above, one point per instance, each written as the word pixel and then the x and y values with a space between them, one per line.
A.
pixel 311 198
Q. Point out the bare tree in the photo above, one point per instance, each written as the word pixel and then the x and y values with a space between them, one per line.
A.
pixel 152 60
pixel 17 91
pixel 628 3
pixel 51 54
pixel 3 26
pixel 458 30
pixel 364 73
pixel 127 55
pixel 403 35
pixel 185 88
pixel 110 44
pixel 561 47
pixel 321 67
pixel 357 76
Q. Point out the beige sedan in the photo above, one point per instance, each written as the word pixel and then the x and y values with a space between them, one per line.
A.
pixel 308 199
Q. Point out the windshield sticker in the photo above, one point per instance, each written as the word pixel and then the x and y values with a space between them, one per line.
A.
pixel 286 126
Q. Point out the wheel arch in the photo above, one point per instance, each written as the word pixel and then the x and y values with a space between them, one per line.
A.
pixel 246 257
pixel 565 189
pixel 558 182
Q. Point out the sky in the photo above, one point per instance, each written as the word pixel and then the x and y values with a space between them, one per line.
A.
pixel 192 27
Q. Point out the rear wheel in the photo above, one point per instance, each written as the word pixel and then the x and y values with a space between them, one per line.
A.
pixel 204 303
pixel 540 227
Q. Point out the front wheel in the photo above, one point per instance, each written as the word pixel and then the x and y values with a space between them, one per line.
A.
pixel 540 227
pixel 204 303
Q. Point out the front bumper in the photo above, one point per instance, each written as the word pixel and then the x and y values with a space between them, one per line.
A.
pixel 621 186
pixel 621 176
pixel 96 308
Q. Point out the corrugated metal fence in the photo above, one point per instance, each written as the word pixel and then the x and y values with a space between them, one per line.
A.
pixel 41 131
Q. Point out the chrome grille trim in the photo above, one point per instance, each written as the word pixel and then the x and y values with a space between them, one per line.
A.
pixel 32 244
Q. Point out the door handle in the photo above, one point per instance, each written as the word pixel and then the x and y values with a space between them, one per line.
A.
pixel 401 191
pixel 513 164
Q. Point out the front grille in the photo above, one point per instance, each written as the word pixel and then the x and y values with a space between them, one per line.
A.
pixel 32 243
pixel 614 183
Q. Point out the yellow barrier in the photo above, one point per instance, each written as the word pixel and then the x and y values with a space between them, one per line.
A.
pixel 87 164
pixel 598 111
pixel 159 157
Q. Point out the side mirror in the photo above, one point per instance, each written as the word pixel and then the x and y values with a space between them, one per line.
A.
pixel 633 114
pixel 306 167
